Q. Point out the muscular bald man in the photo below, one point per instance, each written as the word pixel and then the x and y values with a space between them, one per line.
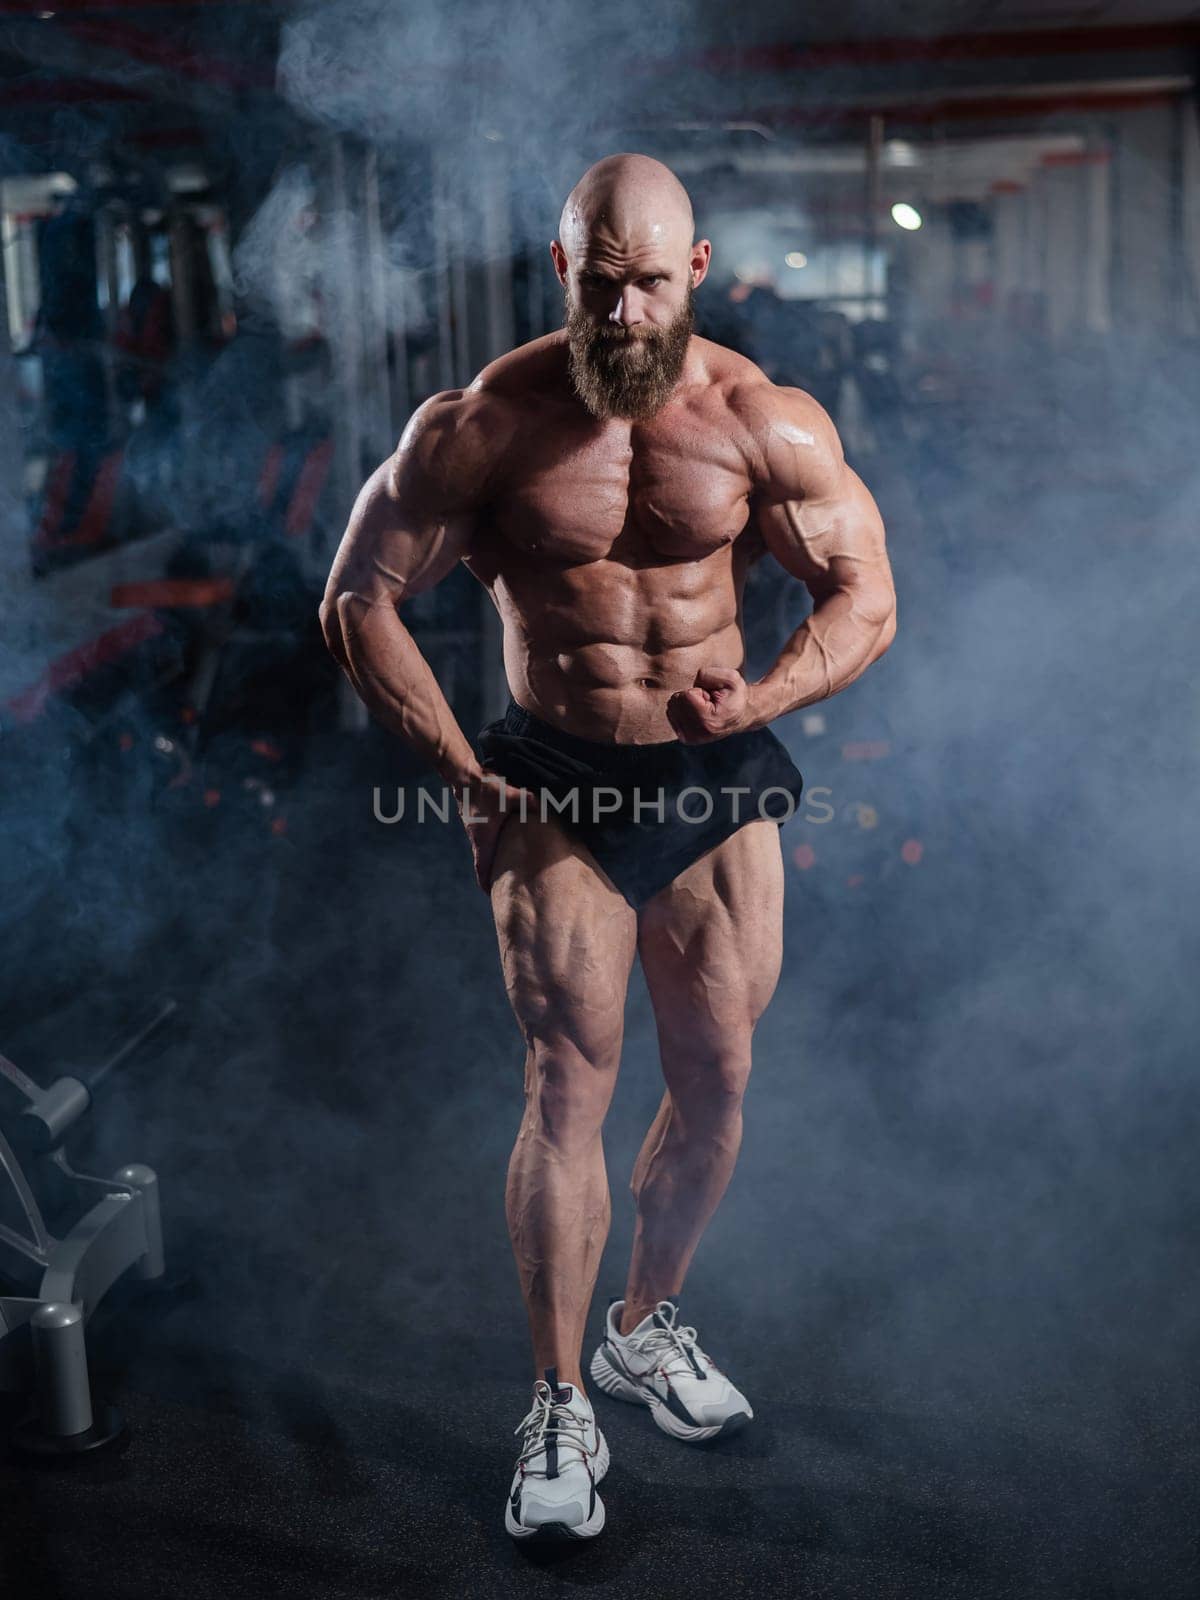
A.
pixel 610 485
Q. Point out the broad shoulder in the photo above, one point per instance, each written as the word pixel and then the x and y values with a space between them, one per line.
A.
pixel 532 372
pixel 456 439
pixel 466 433
pixel 792 447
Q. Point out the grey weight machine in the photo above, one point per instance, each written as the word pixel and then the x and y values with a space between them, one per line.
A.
pixel 81 1233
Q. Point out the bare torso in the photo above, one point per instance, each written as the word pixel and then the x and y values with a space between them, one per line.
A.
pixel 616 552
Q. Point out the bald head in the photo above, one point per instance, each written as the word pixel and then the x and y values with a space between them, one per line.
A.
pixel 629 265
pixel 627 200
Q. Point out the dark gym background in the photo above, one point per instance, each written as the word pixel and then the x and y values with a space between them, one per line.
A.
pixel 956 1268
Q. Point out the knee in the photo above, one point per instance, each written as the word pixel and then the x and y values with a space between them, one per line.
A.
pixel 708 1083
pixel 568 1089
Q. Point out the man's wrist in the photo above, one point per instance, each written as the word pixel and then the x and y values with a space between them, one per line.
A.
pixel 763 703
pixel 461 775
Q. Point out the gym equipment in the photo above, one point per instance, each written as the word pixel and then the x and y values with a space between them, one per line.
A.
pixel 108 1226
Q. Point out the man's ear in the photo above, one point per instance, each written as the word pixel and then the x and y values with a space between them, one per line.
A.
pixel 700 258
pixel 559 257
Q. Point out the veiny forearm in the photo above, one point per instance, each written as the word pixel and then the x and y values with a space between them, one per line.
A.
pixel 380 657
pixel 846 632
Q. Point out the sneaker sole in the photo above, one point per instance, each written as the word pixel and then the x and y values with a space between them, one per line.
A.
pixel 556 1532
pixel 618 1387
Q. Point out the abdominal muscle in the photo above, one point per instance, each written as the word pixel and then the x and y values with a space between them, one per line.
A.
pixel 598 666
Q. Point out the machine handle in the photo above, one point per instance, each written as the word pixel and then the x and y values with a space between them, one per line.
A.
pixel 165 1008
pixel 51 1112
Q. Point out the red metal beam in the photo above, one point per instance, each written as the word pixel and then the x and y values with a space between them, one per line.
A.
pixel 155 50
pixel 66 91
pixel 950 47
pixel 964 109
pixel 164 594
pixel 69 670
pixel 82 8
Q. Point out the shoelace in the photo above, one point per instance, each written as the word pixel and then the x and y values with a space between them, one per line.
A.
pixel 570 1427
pixel 675 1343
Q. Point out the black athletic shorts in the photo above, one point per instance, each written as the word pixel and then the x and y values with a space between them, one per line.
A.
pixel 645 811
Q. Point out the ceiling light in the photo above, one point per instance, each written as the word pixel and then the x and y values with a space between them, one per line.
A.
pixel 899 153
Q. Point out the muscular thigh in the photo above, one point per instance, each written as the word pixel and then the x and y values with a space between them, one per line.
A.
pixel 711 942
pixel 567 936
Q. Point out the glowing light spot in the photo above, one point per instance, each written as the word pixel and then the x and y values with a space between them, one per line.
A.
pixel 906 216
pixel 126 741
pixel 911 851
pixel 899 153
pixel 803 856
pixel 796 259
pixel 279 825
pixel 212 797
pixel 813 724
pixel 868 817
pixel 855 880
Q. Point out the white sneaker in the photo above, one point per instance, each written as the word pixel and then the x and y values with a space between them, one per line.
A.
pixel 660 1365
pixel 563 1457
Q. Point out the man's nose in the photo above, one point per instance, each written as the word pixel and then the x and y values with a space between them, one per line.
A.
pixel 628 310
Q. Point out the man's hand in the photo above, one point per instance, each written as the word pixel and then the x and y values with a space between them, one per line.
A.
pixel 485 804
pixel 720 703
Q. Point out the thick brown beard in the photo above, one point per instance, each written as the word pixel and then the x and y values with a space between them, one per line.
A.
pixel 608 380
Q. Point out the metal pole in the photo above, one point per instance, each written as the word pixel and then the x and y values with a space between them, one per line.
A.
pixel 182 292
pixel 379 423
pixel 441 277
pixel 497 244
pixel 1098 245
pixel 495 202
pixel 64 1396
pixel 340 286
pixel 396 311
pixel 460 298
pixel 1180 309
pixel 106 249
pixel 874 194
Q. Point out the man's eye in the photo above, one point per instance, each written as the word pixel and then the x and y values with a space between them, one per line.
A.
pixel 649 283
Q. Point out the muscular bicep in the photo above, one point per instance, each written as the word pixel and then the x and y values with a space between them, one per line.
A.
pixel 397 543
pixel 415 516
pixel 816 515
pixel 834 541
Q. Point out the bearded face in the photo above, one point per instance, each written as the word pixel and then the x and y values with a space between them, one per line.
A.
pixel 626 372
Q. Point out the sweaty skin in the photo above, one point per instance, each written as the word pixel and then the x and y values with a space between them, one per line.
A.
pixel 615 550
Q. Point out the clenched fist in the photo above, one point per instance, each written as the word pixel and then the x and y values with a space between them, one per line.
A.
pixel 718 704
